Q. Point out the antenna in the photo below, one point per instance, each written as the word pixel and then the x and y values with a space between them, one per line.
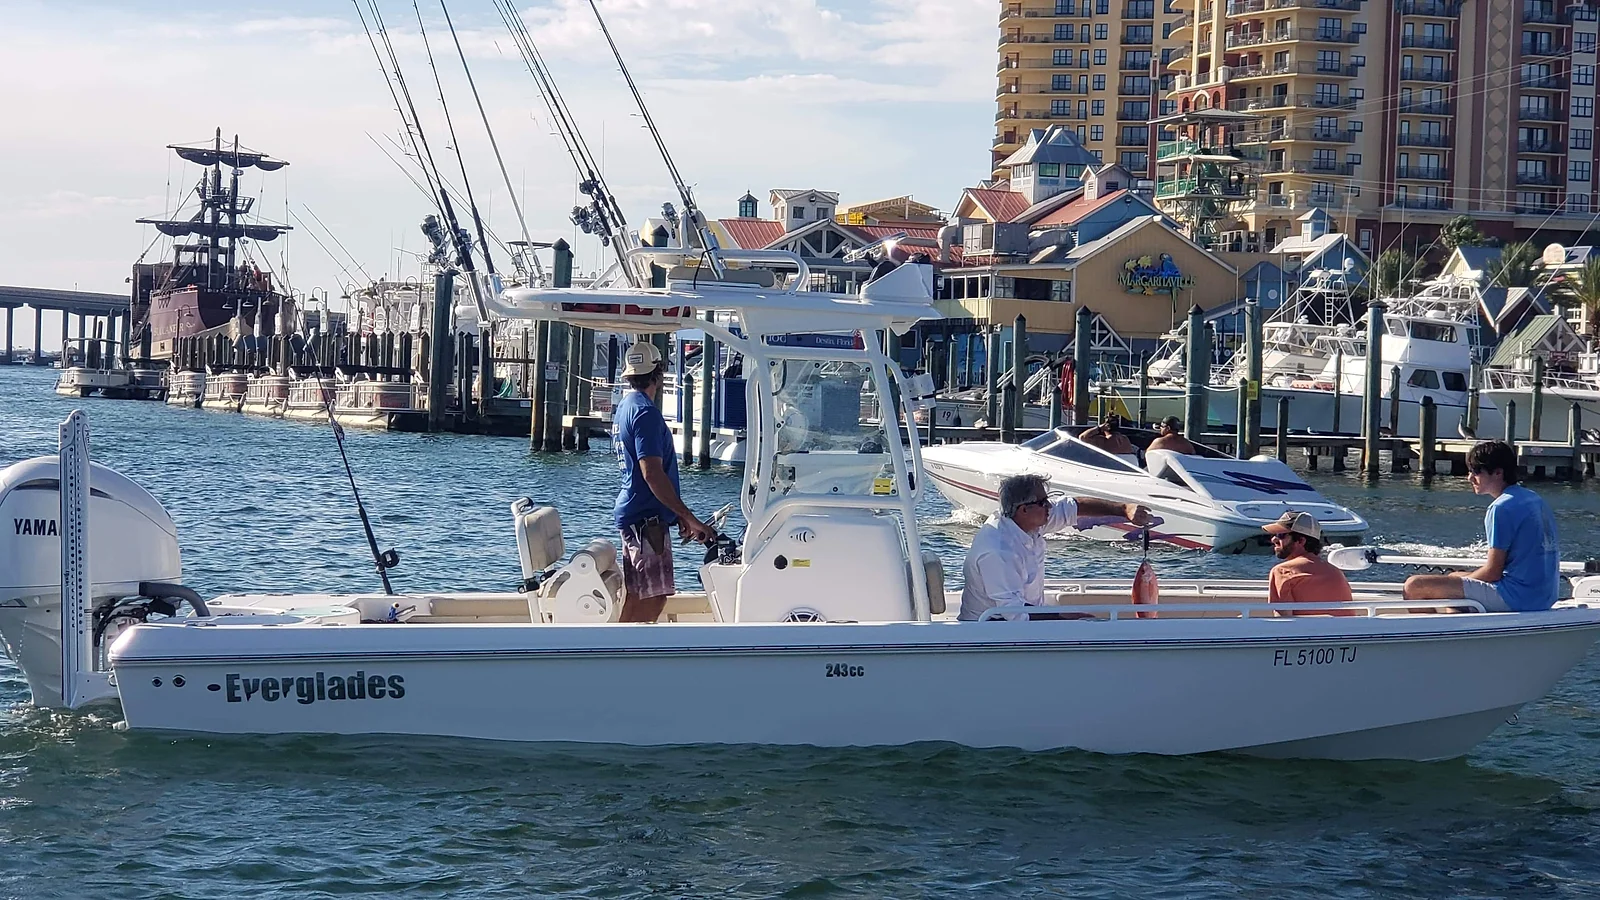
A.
pixel 691 213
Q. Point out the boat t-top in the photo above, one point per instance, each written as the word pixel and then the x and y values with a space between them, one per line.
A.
pixel 827 623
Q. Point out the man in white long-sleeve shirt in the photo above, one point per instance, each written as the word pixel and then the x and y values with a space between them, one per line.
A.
pixel 1005 566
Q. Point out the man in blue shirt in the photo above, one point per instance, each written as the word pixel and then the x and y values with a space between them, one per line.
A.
pixel 648 503
pixel 1522 573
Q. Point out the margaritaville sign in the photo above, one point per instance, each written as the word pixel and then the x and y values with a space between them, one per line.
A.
pixel 1153 275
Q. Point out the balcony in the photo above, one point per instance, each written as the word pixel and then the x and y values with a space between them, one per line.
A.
pixel 1539 14
pixel 1436 203
pixel 1543 48
pixel 1146 10
pixel 1418 73
pixel 1286 101
pixel 1536 209
pixel 1343 71
pixel 1126 116
pixel 1179 53
pixel 1018 38
pixel 1127 140
pixel 1301 133
pixel 1184 21
pixel 1304 67
pixel 1438 9
pixel 1544 83
pixel 1304 167
pixel 1439 108
pixel 1406 139
pixel 1422 173
pixel 1541 114
pixel 1428 41
pixel 1249 7
pixel 1128 65
pixel 1285 35
pixel 1554 148
pixel 1538 179
pixel 1137 40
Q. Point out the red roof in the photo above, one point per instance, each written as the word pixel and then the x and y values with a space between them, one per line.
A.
pixel 752 234
pixel 1004 206
pixel 1074 211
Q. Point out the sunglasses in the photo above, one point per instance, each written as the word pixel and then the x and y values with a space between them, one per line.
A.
pixel 1042 504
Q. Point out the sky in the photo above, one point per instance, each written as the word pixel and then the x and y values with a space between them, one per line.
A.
pixel 870 98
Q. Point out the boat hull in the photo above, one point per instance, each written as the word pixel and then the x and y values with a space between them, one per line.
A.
pixel 1415 687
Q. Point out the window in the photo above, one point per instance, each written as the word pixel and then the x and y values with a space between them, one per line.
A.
pixel 1060 82
pixel 1083 84
pixel 1136 59
pixel 1134 134
pixel 1061 108
pixel 1578 170
pixel 1454 381
pixel 1427 379
pixel 1356 93
pixel 1329 60
pixel 1138 34
pixel 1578 203
pixel 1061 58
pixel 1102 7
pixel 1102 32
pixel 1329 28
pixel 1583 107
pixel 1168 107
pixel 1083 454
pixel 1066 7
pixel 1135 111
pixel 1134 161
pixel 1354 124
pixel 1364 239
pixel 1583 74
pixel 799 213
pixel 1433 331
pixel 1097 108
pixel 1099 82
pixel 1083 59
pixel 1324 160
pixel 1050 170
pixel 1097 132
pixel 1327 94
pixel 1083 113
pixel 1582 138
pixel 1099 57
pixel 1136 84
pixel 1061 291
pixel 1583 41
pixel 1065 32
pixel 1353 159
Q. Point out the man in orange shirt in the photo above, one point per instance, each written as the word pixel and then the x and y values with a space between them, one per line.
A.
pixel 1304 576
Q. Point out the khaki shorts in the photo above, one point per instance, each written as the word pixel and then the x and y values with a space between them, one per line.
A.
pixel 1486 593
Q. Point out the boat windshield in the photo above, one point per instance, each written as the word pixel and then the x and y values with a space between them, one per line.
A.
pixel 1078 452
pixel 829 434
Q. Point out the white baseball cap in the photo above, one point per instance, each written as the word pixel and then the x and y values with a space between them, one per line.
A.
pixel 641 359
pixel 1303 524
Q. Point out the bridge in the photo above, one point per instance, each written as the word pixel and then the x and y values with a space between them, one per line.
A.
pixel 104 309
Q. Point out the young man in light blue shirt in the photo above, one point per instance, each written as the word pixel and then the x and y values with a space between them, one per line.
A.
pixel 1522 573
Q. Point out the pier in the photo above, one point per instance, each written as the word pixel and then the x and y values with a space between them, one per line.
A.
pixel 100 317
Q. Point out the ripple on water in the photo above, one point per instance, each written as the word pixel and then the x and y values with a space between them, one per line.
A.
pixel 87 811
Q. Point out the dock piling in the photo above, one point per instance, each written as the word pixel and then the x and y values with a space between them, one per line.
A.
pixel 1370 389
pixel 1082 344
pixel 1254 351
pixel 1197 375
pixel 1536 406
pixel 1428 433
pixel 1055 398
pixel 439 347
pixel 708 392
pixel 991 374
pixel 1241 422
pixel 1476 376
pixel 1008 425
pixel 1144 389
pixel 1283 429
pixel 1511 421
pixel 1575 440
pixel 1019 370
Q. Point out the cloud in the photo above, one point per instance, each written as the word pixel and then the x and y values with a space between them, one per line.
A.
pixel 870 99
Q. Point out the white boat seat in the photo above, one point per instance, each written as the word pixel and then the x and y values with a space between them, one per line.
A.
pixel 540 543
pixel 587 590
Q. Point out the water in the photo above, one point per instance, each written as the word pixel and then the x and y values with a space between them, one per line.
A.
pixel 87 811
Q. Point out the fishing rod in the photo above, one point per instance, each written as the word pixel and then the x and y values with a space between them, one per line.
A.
pixel 603 216
pixel 522 222
pixel 382 560
pixel 693 218
pixel 455 142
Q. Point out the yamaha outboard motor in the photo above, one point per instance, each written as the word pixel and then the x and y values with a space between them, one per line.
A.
pixel 121 558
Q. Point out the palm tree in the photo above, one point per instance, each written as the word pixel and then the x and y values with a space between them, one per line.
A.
pixel 1462 231
pixel 1392 270
pixel 1515 268
pixel 1583 288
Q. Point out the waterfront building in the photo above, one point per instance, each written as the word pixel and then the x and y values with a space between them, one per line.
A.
pixel 1392 115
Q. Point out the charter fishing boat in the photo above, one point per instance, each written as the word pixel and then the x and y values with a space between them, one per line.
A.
pixel 1207 501
pixel 828 601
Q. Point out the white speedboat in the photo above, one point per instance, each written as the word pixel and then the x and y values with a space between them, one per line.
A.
pixel 825 625
pixel 1206 502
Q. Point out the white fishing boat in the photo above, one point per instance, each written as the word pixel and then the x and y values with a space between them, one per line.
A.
pixel 827 624
pixel 1206 502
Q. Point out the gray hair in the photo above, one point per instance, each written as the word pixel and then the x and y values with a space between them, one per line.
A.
pixel 1019 489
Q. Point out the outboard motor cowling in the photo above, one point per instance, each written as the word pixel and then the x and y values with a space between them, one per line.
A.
pixel 132 539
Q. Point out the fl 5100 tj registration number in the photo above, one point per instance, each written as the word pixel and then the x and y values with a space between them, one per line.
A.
pixel 1313 656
